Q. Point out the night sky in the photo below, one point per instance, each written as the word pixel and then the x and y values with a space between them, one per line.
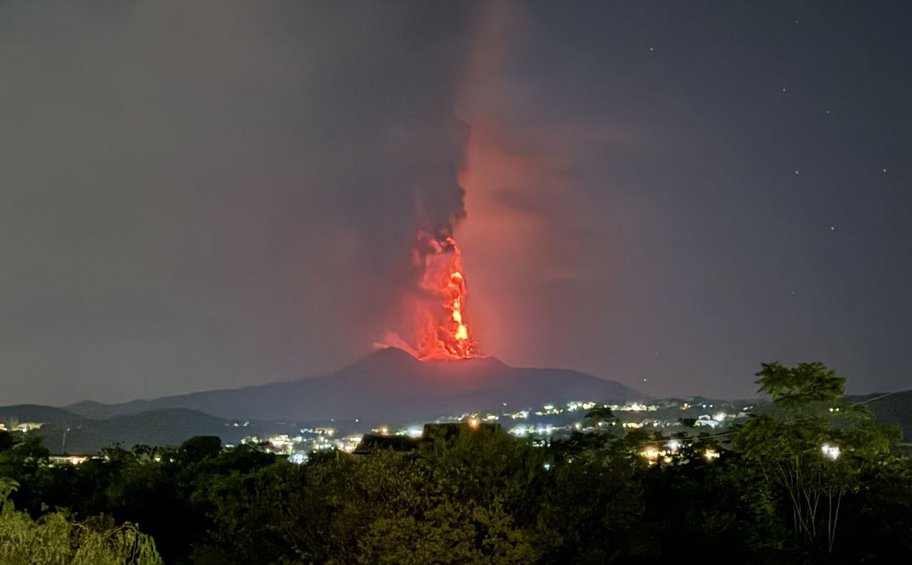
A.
pixel 198 196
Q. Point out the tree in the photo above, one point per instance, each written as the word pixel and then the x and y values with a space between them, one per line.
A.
pixel 247 515
pixel 468 498
pixel 57 539
pixel 802 387
pixel 198 448
pixel 600 416
pixel 591 508
pixel 6 440
pixel 811 447
pixel 458 499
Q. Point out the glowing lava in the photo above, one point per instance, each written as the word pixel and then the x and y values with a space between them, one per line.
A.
pixel 441 331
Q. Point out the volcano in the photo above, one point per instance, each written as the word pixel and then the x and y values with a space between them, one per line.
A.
pixel 389 386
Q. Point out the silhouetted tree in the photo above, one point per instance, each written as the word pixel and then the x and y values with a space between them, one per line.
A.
pixel 812 447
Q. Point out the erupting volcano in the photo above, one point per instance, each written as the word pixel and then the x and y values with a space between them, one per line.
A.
pixel 441 330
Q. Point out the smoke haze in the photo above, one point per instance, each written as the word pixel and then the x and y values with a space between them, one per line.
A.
pixel 207 195
pixel 198 196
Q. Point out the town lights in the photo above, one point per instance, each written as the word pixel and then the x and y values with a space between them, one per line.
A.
pixel 830 451
pixel 710 454
pixel 473 422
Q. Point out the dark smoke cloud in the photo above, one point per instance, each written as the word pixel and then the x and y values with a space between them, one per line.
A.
pixel 195 196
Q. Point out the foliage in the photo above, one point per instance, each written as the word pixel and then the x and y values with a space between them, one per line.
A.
pixel 6 440
pixel 803 386
pixel 811 450
pixel 600 416
pixel 458 500
pixel 55 538
pixel 593 505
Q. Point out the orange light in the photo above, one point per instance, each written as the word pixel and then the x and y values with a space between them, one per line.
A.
pixel 441 331
pixel 651 453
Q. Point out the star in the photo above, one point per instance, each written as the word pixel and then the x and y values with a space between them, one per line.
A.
pixel 832 228
pixel 652 49
pixel 828 112
pixel 884 170
pixel 797 172
pixel 783 89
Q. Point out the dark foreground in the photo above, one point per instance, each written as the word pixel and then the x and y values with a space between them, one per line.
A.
pixel 803 483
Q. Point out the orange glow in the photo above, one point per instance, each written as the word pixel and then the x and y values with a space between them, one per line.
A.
pixel 441 331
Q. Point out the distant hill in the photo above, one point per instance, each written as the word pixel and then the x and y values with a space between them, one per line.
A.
pixel 894 409
pixel 92 409
pixel 156 427
pixel 90 434
pixel 22 413
pixel 388 386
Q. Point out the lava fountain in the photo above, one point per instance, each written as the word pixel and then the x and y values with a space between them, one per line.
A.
pixel 441 330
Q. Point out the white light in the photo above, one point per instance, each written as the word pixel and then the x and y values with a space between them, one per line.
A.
pixel 518 431
pixel 831 452
pixel 673 445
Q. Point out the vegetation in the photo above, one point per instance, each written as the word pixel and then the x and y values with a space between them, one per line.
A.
pixel 812 480
pixel 57 539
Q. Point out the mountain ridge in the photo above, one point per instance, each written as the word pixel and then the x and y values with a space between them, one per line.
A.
pixel 386 384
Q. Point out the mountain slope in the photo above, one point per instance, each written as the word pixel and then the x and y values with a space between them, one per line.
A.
pixel 390 385
pixel 894 409
pixel 35 413
pixel 155 427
